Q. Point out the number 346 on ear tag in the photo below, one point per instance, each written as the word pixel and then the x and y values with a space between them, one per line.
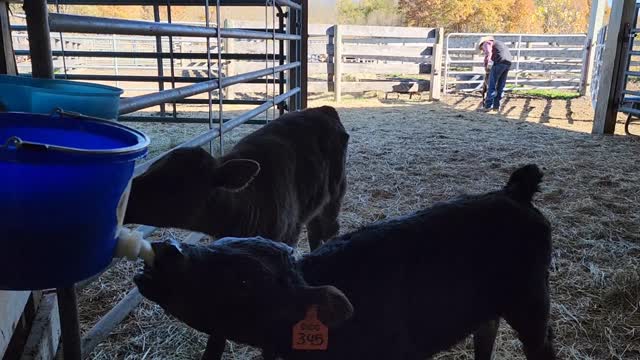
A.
pixel 310 333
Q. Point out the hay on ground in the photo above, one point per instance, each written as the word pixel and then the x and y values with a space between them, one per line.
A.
pixel 406 155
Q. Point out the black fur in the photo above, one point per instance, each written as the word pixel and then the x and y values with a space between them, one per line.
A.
pixel 416 284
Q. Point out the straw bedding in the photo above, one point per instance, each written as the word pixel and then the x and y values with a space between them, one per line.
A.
pixel 405 155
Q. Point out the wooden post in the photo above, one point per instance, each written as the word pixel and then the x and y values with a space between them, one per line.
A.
pixel 7 60
pixel 622 18
pixel 69 323
pixel 595 24
pixel 229 48
pixel 44 338
pixel 12 303
pixel 304 53
pixel 436 66
pixel 293 79
pixel 156 18
pixel 337 62
pixel 39 38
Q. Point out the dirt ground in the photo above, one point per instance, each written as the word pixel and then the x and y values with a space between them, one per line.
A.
pixel 407 154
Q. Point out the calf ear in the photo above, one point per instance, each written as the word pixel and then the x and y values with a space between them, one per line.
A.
pixel 235 175
pixel 333 305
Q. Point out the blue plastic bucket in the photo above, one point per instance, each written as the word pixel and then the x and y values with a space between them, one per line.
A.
pixel 42 96
pixel 61 179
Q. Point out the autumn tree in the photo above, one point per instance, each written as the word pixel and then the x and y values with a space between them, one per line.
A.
pixel 564 16
pixel 525 16
pixel 525 19
pixel 369 12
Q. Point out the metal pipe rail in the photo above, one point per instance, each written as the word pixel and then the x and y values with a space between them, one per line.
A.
pixel 147 55
pixel 144 101
pixel 97 25
pixel 214 133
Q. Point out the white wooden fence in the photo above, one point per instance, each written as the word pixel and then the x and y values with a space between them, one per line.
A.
pixel 354 59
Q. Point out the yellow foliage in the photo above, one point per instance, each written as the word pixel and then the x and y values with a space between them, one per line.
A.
pixel 521 16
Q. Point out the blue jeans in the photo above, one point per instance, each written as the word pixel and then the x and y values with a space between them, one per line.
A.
pixel 497 82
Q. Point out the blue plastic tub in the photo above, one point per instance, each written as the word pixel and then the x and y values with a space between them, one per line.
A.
pixel 61 178
pixel 43 96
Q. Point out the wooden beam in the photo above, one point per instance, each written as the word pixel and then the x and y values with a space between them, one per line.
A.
pixel 386 31
pixel 337 62
pixel 304 71
pixel 436 65
pixel 12 304
pixel 39 38
pixel 7 60
pixel 621 20
pixel 364 86
pixel 44 337
pixel 596 20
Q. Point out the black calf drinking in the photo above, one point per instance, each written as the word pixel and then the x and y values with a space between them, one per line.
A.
pixel 406 288
pixel 287 174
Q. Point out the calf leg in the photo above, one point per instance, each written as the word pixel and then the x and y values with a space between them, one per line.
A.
pixel 321 228
pixel 215 348
pixel 325 225
pixel 530 318
pixel 484 339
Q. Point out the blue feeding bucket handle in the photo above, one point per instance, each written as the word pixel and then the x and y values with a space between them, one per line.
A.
pixel 62 178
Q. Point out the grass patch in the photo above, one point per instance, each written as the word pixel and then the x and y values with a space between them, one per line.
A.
pixel 549 94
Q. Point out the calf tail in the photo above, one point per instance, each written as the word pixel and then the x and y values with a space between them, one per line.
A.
pixel 524 183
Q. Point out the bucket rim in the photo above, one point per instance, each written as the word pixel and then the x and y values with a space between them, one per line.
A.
pixel 115 90
pixel 141 145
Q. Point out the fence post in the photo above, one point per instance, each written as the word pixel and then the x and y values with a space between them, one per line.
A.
pixel 7 59
pixel 436 66
pixel 518 60
pixel 595 24
pixel 337 62
pixel 115 58
pixel 612 71
pixel 229 48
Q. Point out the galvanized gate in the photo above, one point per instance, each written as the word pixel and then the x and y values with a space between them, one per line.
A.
pixel 539 61
pixel 630 96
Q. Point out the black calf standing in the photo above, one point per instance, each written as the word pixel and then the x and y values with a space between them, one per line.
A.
pixel 407 288
pixel 288 174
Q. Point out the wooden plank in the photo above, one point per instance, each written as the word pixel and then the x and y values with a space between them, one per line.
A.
pixel 622 14
pixel 436 71
pixel 304 53
pixel 363 86
pixel 394 51
pixel 391 41
pixel 44 338
pixel 598 8
pixel 7 60
pixel 12 304
pixel 337 60
pixel 374 68
pixel 387 31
